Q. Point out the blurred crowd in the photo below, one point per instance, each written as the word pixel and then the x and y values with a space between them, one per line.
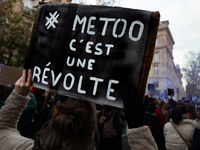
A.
pixel 173 125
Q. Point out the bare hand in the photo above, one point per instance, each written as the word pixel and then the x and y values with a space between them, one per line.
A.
pixel 22 86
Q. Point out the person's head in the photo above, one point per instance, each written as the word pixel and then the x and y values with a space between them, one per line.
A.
pixel 151 107
pixel 191 110
pixel 162 103
pixel 183 108
pixel 187 101
pixel 179 113
pixel 176 115
pixel 72 127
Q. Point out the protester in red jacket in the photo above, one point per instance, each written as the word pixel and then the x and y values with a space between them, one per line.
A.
pixel 162 113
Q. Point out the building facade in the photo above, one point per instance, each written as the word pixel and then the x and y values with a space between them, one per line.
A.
pixel 164 74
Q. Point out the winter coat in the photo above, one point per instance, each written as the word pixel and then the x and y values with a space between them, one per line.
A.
pixel 26 117
pixel 196 136
pixel 141 139
pixel 154 123
pixel 173 141
pixel 30 108
pixel 10 139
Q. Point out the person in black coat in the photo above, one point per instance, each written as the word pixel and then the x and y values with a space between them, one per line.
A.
pixel 196 140
pixel 114 143
pixel 196 135
pixel 151 120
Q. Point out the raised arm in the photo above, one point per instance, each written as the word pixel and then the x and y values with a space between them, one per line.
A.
pixel 22 86
pixel 10 114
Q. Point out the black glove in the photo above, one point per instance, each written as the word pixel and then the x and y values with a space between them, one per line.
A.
pixel 134 110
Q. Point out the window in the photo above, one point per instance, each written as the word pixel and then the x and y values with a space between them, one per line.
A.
pixel 156 41
pixel 156 84
pixel 155 58
pixel 28 3
pixel 28 7
pixel 155 70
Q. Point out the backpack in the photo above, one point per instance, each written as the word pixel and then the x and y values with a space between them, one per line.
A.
pixel 108 129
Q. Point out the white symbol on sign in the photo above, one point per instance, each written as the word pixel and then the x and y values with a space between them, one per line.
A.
pixel 53 19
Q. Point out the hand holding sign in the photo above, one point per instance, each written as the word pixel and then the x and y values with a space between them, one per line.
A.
pixel 22 86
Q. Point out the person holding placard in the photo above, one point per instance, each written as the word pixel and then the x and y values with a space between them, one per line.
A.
pixel 73 126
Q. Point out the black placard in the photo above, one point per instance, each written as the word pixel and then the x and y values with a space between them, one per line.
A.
pixel 89 52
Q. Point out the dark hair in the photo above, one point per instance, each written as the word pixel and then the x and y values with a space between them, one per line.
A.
pixel 162 103
pixel 187 101
pixel 176 115
pixel 182 106
pixel 70 131
pixel 151 107
pixel 191 110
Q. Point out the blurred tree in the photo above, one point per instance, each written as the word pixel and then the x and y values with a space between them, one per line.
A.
pixel 189 89
pixel 191 72
pixel 14 33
